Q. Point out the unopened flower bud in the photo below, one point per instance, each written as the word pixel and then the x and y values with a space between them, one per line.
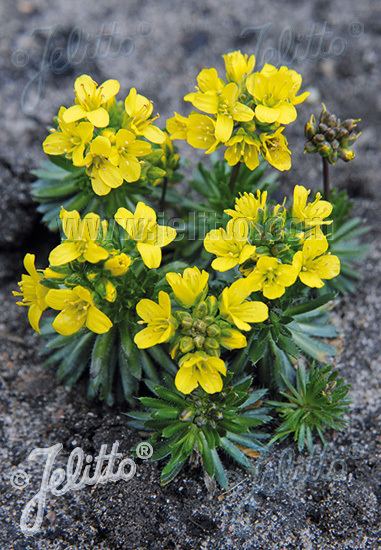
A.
pixel 186 415
pixel 211 344
pixel 199 341
pixel 185 319
pixel 330 134
pixel 201 310
pixel 310 127
pixel 212 304
pixel 200 326
pixel 213 331
pixel 309 147
pixel 186 344
pixel 319 138
pixel 346 155
pixel 350 123
pixel 332 121
pixel 342 133
pixel 325 149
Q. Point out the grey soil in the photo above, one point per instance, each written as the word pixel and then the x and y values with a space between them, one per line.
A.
pixel 330 500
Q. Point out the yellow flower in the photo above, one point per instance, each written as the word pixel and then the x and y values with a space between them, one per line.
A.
pixel 200 369
pixel 125 154
pixel 91 100
pixel 177 126
pixel 119 264
pixel 51 274
pixel 143 228
pixel 189 286
pixel 274 92
pixel 231 338
pixel 272 277
pixel 230 245
pixel 80 239
pixel 101 162
pixel 274 148
pixel 33 292
pixel 216 98
pixel 314 265
pixel 77 310
pixel 110 291
pixel 69 140
pixel 138 117
pixel 235 308
pixel 160 324
pixel 201 133
pixel 242 147
pixel 313 213
pixel 238 65
pixel 248 206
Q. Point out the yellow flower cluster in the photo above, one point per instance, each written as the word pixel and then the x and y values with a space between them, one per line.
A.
pixel 246 112
pixel 198 325
pixel 87 270
pixel 273 249
pixel 85 134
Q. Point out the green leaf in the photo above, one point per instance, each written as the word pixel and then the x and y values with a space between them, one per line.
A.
pixel 163 359
pixel 320 351
pixel 100 362
pixel 235 453
pixel 171 470
pixel 310 305
pixel 219 470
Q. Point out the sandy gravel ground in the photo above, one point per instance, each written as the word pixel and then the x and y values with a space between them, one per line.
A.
pixel 330 500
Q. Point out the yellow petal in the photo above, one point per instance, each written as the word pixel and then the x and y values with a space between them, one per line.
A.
pixel 34 316
pixel 186 380
pixel 224 127
pixel 311 279
pixel 266 114
pixel 233 339
pixel 287 113
pixel 64 253
pixel 224 264
pixel 58 298
pixel 74 113
pixel 99 117
pixel 327 266
pixel 150 253
pixel 109 89
pixel 98 185
pixel 94 253
pixel 210 380
pixel 273 290
pixel 97 321
pixel 130 168
pixel 69 322
pixel 149 337
pixel 154 134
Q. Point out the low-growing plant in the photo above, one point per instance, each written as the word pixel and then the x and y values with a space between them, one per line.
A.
pixel 209 318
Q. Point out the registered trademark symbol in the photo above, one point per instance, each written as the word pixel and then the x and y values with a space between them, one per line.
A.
pixel 144 450
pixel 356 28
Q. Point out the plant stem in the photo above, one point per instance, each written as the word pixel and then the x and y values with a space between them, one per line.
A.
pixel 326 184
pixel 163 193
pixel 233 177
